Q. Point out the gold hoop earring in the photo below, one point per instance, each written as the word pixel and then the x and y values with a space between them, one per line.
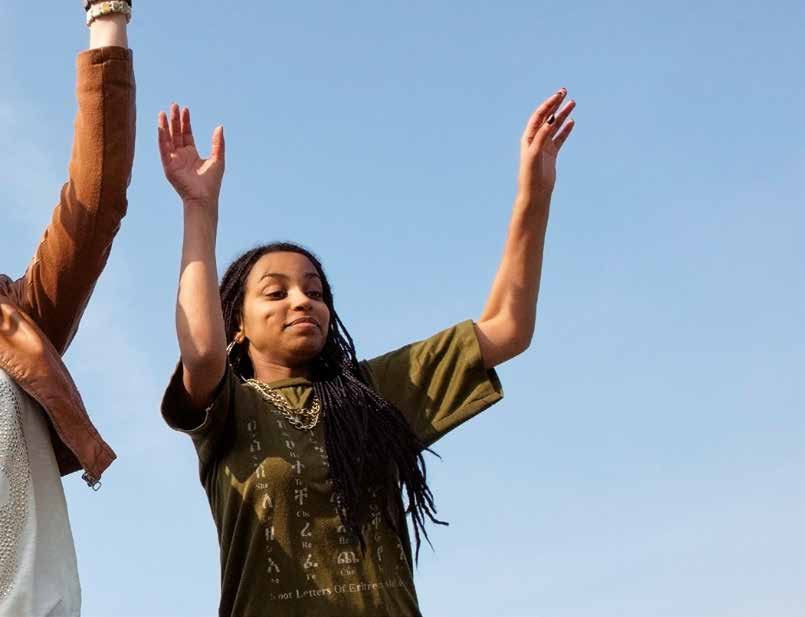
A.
pixel 232 359
pixel 235 341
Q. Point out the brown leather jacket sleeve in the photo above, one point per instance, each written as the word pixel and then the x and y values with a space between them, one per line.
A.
pixel 58 283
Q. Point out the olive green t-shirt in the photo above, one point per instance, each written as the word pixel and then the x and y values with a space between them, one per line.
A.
pixel 283 549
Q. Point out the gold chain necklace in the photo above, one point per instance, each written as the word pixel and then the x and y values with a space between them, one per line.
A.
pixel 303 419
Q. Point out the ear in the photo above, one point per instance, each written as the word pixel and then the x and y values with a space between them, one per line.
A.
pixel 240 335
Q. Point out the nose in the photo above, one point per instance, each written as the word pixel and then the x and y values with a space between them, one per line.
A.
pixel 300 301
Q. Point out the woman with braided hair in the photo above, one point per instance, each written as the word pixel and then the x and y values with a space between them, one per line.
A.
pixel 310 458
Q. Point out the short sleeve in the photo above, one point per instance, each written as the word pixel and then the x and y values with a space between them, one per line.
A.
pixel 438 383
pixel 210 430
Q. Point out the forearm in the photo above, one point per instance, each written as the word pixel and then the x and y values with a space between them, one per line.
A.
pixel 510 313
pixel 521 264
pixel 108 31
pixel 199 320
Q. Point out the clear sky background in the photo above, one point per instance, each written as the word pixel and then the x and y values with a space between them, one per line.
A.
pixel 647 460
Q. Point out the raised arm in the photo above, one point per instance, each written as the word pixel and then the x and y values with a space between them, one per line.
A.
pixel 73 251
pixel 199 320
pixel 506 325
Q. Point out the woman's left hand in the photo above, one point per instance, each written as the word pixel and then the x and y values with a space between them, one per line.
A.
pixel 546 132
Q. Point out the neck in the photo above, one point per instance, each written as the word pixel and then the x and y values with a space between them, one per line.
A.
pixel 268 371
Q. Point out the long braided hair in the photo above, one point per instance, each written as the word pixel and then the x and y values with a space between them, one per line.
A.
pixel 370 445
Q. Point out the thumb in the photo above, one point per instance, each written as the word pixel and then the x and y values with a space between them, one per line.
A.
pixel 218 151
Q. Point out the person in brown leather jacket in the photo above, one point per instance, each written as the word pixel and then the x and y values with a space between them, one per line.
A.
pixel 45 431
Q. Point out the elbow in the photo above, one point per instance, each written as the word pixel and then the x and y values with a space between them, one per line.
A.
pixel 519 343
pixel 521 334
pixel 203 361
pixel 501 342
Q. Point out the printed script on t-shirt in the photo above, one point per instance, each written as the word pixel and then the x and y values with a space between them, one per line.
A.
pixel 301 594
pixel 391 573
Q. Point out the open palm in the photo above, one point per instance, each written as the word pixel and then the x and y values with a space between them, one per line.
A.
pixel 196 180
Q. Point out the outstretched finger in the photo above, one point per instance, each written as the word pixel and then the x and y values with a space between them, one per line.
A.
pixel 218 151
pixel 541 114
pixel 187 130
pixel 176 127
pixel 561 137
pixel 560 117
pixel 552 125
pixel 164 139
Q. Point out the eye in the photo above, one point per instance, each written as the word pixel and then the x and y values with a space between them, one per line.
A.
pixel 276 294
pixel 315 294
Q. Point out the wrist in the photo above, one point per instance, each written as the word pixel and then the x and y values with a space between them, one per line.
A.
pixel 108 31
pixel 200 225
pixel 200 209
pixel 531 200
pixel 118 19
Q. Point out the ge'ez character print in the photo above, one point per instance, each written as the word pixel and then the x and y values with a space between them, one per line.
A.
pixel 298 466
pixel 306 533
pixel 299 495
pixel 254 444
pixel 346 558
pixel 273 568
pixel 344 536
pixel 309 563
pixel 374 509
pixel 317 447
pixel 322 452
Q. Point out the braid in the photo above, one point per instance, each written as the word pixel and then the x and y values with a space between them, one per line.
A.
pixel 370 445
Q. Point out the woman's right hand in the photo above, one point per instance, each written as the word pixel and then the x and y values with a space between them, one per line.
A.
pixel 196 180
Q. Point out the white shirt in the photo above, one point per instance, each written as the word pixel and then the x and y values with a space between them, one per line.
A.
pixel 38 569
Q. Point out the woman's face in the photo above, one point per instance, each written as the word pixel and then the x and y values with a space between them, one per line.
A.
pixel 285 318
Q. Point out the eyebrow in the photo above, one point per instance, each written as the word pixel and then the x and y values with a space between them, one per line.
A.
pixel 280 275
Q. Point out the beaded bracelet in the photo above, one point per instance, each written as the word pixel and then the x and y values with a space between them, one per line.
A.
pixel 108 7
pixel 89 3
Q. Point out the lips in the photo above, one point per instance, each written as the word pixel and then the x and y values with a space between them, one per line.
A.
pixel 303 320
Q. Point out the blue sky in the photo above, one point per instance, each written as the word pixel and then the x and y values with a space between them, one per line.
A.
pixel 647 459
